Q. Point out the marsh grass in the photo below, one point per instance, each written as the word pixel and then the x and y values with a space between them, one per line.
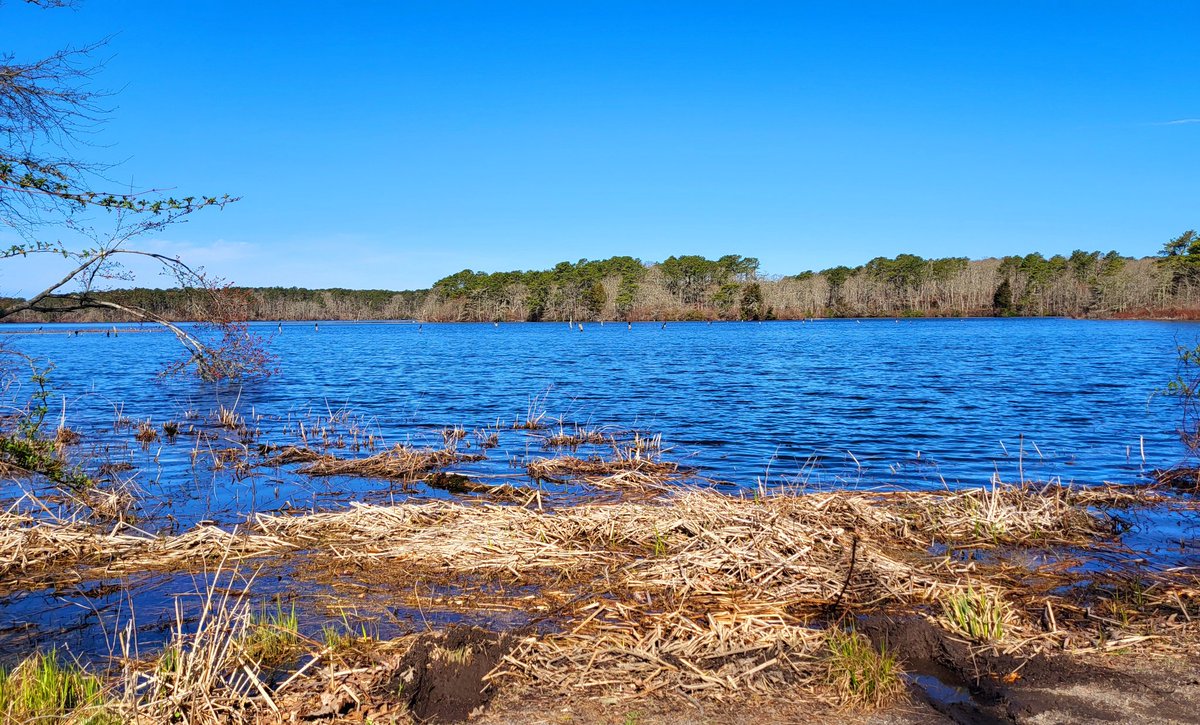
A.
pixel 638 447
pixel 979 614
pixel 1015 514
pixel 574 438
pixel 660 546
pixel 571 467
pixel 230 419
pixel 535 414
pixel 729 585
pixel 45 689
pixel 452 436
pixel 205 673
pixel 861 675
pixel 399 462
pixel 146 433
pixel 342 638
pixel 273 636
pixel 65 436
pixel 289 454
pixel 116 502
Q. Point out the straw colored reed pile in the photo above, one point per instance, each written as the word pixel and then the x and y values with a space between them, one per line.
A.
pixel 36 552
pixel 694 592
pixel 697 591
pixel 399 462
pixel 563 467
pixel 575 438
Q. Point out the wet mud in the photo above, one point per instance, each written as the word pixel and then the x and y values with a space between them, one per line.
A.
pixel 972 686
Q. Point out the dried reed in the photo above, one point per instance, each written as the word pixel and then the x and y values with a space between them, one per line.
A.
pixel 563 467
pixel 692 592
pixel 399 462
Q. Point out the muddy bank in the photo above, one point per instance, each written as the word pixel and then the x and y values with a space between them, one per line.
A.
pixel 434 678
pixel 965 684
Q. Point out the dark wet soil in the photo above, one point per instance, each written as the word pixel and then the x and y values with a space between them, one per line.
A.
pixel 438 679
pixel 966 685
pixel 446 683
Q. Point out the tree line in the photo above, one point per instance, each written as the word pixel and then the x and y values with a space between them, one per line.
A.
pixel 692 287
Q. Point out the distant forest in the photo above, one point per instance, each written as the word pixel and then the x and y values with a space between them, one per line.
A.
pixel 1083 284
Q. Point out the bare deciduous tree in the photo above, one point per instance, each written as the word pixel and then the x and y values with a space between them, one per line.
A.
pixel 48 194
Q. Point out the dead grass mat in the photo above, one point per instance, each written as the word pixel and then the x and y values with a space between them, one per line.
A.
pixel 694 592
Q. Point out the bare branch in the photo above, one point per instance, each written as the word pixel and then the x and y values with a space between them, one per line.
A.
pixel 44 104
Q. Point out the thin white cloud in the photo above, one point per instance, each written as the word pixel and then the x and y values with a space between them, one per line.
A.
pixel 201 253
pixel 1179 122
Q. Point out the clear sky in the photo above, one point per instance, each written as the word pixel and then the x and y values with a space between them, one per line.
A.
pixel 387 144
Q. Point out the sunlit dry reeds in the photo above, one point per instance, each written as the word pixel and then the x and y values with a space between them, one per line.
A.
pixel 692 591
pixel 399 462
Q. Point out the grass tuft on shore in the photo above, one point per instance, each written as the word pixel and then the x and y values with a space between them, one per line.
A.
pixel 980 615
pixel 44 689
pixel 273 636
pixel 862 676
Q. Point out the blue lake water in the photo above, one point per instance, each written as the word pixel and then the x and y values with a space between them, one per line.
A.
pixel 913 403
pixel 910 402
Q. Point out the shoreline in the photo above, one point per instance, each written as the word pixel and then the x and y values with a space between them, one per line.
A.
pixel 649 594
pixel 129 324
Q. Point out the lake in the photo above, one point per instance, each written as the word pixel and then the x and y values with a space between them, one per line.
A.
pixel 913 402
pixel 910 403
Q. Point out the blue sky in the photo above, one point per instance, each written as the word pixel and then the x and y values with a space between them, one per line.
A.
pixel 389 144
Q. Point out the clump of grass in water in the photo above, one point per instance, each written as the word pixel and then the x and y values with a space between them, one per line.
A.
pixel 346 638
pixel 273 636
pixel 452 436
pixel 979 615
pixel 573 439
pixel 229 418
pixel 43 689
pixel 399 462
pixel 862 675
pixel 64 436
pixel 535 415
pixel 487 439
pixel 146 433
